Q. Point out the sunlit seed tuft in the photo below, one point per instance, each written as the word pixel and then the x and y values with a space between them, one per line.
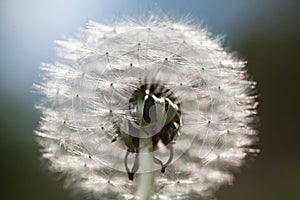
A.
pixel 159 78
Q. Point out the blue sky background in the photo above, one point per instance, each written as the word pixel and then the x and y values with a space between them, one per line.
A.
pixel 28 28
pixel 264 32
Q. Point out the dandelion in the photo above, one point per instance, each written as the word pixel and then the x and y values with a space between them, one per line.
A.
pixel 152 109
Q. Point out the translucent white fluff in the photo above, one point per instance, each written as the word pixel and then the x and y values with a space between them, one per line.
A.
pixel 86 93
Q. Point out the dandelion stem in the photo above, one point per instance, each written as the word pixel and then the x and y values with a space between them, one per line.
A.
pixel 146 177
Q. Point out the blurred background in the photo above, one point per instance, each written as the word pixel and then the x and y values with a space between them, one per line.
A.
pixel 264 32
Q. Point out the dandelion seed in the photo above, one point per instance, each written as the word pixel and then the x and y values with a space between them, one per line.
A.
pixel 134 110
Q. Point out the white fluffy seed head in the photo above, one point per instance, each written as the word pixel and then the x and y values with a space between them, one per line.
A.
pixel 86 97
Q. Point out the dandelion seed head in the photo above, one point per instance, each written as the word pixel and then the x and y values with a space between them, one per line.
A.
pixel 159 76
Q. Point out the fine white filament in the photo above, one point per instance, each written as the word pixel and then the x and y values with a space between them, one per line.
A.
pixel 85 102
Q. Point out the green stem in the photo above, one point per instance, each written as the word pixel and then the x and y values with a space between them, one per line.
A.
pixel 146 177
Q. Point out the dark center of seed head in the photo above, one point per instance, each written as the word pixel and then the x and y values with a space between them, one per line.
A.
pixel 152 107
